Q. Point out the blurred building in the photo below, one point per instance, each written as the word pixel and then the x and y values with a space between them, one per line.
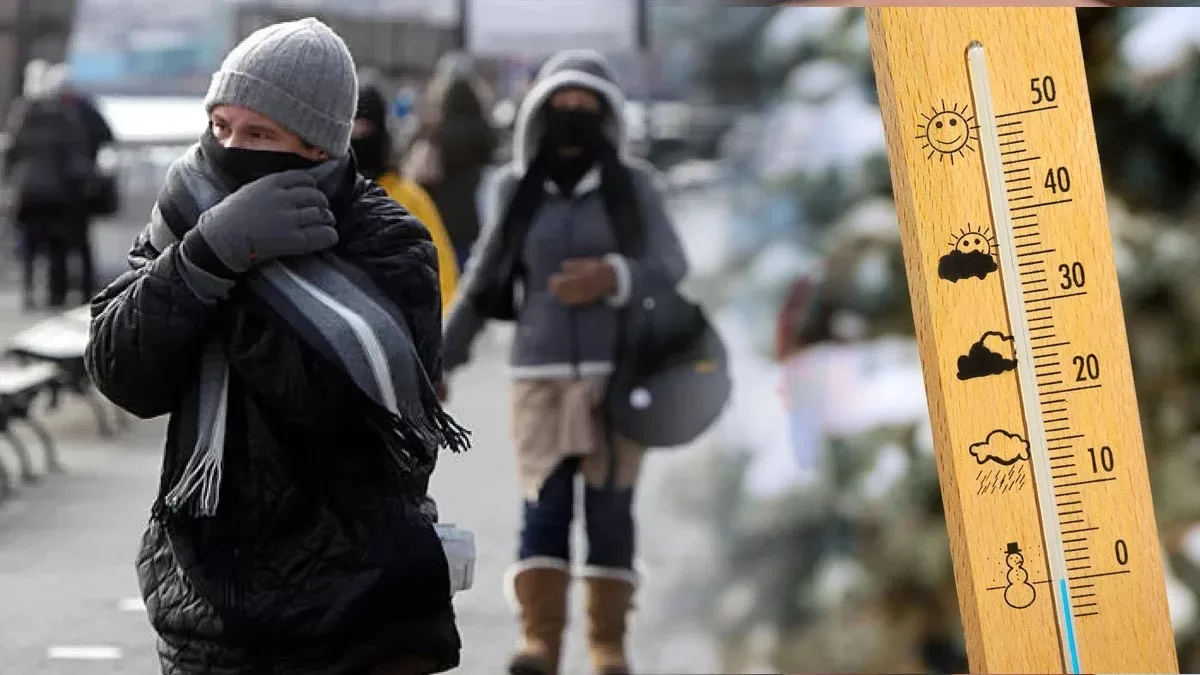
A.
pixel 164 47
pixel 30 30
pixel 402 40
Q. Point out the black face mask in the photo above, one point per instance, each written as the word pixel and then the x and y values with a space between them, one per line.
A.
pixel 371 154
pixel 574 128
pixel 244 166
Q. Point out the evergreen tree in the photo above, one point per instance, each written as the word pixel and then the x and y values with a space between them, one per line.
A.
pixel 850 570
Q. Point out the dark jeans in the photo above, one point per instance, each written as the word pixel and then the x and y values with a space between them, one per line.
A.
pixel 462 253
pixel 608 515
pixel 57 245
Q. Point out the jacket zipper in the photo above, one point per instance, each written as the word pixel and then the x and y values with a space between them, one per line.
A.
pixel 231 586
pixel 234 601
pixel 572 317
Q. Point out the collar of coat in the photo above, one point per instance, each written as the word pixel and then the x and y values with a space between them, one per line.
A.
pixel 588 183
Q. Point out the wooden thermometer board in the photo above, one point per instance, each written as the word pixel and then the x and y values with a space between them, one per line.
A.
pixel 1022 338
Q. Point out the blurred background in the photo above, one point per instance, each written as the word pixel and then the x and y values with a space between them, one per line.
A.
pixel 805 532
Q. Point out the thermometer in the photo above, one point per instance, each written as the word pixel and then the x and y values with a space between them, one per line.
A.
pixel 1022 338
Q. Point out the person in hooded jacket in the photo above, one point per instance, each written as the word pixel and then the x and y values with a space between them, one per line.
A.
pixel 284 312
pixel 578 228
pixel 372 145
pixel 452 152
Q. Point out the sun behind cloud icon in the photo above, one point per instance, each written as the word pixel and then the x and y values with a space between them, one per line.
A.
pixel 972 254
pixel 973 240
pixel 948 132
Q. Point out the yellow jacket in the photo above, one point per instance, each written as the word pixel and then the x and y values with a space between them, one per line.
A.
pixel 414 198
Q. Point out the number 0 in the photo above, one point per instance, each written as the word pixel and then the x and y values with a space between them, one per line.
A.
pixel 1122 552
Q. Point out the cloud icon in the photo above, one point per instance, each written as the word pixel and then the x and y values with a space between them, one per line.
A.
pixel 1001 447
pixel 957 265
pixel 992 355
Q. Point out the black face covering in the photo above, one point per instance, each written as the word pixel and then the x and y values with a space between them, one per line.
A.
pixel 370 152
pixel 244 166
pixel 574 128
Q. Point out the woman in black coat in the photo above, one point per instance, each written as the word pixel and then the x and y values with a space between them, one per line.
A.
pixel 286 314
pixel 463 144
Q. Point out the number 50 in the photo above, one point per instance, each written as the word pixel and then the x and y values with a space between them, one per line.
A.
pixel 1043 89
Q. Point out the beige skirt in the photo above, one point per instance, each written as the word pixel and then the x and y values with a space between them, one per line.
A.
pixel 558 418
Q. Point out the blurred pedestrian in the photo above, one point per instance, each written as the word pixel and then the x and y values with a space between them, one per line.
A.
pixel 101 193
pixel 578 227
pixel 284 312
pixel 373 151
pixel 47 170
pixel 452 150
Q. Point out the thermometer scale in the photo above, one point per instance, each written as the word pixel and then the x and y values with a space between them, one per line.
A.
pixel 1022 337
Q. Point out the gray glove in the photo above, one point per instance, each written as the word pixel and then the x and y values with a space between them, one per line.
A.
pixel 283 214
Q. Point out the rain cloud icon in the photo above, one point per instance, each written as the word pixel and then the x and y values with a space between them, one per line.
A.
pixel 1001 447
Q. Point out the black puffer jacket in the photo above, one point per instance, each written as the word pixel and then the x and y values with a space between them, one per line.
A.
pixel 316 562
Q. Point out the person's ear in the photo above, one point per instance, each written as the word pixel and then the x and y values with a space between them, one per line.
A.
pixel 315 154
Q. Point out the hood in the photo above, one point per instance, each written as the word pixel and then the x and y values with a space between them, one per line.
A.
pixel 460 100
pixel 371 106
pixel 581 68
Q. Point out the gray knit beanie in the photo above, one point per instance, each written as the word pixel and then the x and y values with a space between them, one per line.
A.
pixel 298 73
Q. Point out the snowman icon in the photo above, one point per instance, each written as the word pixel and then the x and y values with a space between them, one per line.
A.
pixel 1019 593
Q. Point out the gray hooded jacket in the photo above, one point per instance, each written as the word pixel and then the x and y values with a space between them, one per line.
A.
pixel 553 340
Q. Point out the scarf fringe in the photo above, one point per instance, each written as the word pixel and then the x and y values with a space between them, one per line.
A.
pixel 424 432
pixel 201 479
pixel 196 493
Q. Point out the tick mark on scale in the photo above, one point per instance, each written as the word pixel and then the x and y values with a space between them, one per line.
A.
pixel 1022 161
pixel 1064 438
pixel 1035 206
pixel 1085 482
pixel 1073 389
pixel 1099 574
pixel 1024 112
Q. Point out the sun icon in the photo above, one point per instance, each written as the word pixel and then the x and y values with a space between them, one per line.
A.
pixel 948 132
pixel 973 240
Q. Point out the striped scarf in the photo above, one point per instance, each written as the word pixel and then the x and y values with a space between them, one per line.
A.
pixel 336 309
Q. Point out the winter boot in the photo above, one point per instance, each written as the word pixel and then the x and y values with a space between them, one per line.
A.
pixel 539 591
pixel 609 598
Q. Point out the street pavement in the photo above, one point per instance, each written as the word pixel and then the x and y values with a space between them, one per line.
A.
pixel 68 596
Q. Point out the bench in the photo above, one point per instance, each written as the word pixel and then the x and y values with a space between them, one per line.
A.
pixel 61 341
pixel 20 387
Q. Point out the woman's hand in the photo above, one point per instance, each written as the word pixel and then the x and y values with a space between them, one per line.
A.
pixel 583 281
